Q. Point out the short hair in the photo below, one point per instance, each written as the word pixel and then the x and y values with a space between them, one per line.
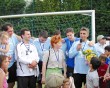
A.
pixel 103 57
pixel 57 32
pixel 69 30
pixel 95 63
pixel 23 31
pixel 107 48
pixel 5 26
pixel 43 34
pixel 84 29
pixel 55 39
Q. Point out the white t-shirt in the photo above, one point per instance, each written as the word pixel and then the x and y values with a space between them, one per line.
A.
pixel 92 79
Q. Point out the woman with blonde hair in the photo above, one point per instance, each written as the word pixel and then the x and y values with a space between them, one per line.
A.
pixel 54 59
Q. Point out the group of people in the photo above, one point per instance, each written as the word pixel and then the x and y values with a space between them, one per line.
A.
pixel 54 61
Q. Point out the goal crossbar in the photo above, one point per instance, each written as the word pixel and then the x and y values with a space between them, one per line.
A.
pixel 83 12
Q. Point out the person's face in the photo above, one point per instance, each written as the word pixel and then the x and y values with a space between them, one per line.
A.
pixel 42 40
pixel 27 36
pixel 66 85
pixel 102 61
pixel 10 31
pixel 58 45
pixel 84 35
pixel 102 41
pixel 70 35
pixel 107 52
pixel 5 63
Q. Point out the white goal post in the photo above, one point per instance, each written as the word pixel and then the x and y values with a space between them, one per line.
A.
pixel 83 12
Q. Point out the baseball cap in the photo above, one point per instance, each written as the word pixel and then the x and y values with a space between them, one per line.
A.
pixel 99 37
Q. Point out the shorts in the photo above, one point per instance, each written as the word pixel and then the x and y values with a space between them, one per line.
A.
pixel 12 73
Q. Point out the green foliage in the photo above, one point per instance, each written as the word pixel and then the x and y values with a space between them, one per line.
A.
pixel 8 7
pixel 102 8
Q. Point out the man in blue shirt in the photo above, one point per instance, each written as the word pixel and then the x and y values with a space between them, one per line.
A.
pixel 13 40
pixel 80 67
pixel 69 40
pixel 42 44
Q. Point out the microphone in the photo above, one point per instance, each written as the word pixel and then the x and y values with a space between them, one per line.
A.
pixel 80 40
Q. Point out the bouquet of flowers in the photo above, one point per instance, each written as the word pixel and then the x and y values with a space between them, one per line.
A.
pixel 89 54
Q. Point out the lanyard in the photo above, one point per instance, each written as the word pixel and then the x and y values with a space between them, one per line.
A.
pixel 41 46
pixel 83 46
pixel 57 56
pixel 28 48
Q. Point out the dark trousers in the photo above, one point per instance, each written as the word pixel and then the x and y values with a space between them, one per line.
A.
pixel 70 71
pixel 79 79
pixel 26 82
pixel 108 84
pixel 40 75
pixel 12 73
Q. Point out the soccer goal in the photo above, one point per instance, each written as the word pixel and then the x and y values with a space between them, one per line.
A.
pixel 51 21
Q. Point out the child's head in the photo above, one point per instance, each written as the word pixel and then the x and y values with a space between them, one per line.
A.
pixel 107 50
pixel 4 37
pixel 4 62
pixel 70 33
pixel 66 83
pixel 102 58
pixel 95 63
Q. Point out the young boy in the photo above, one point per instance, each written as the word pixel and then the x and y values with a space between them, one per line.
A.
pixel 92 78
pixel 107 52
pixel 102 70
pixel 69 40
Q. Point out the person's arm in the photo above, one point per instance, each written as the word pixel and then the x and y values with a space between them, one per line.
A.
pixel 74 50
pixel 43 72
pixel 107 75
pixel 34 62
pixel 64 65
pixel 45 58
pixel 6 49
pixel 1 79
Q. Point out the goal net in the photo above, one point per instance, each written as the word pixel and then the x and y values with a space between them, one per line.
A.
pixel 52 21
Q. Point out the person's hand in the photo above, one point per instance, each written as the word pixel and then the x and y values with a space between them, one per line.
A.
pixel 79 46
pixel 91 43
pixel 30 66
pixel 106 77
pixel 33 64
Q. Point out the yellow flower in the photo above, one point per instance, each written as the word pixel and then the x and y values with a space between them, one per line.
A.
pixel 89 54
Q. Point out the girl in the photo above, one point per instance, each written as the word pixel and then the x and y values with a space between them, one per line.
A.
pixel 4 45
pixel 3 71
pixel 53 59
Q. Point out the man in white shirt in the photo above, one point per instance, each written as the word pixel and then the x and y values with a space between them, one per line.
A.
pixel 100 45
pixel 27 60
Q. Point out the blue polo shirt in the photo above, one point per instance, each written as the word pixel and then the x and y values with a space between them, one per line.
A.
pixel 13 41
pixel 42 47
pixel 70 61
pixel 108 60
